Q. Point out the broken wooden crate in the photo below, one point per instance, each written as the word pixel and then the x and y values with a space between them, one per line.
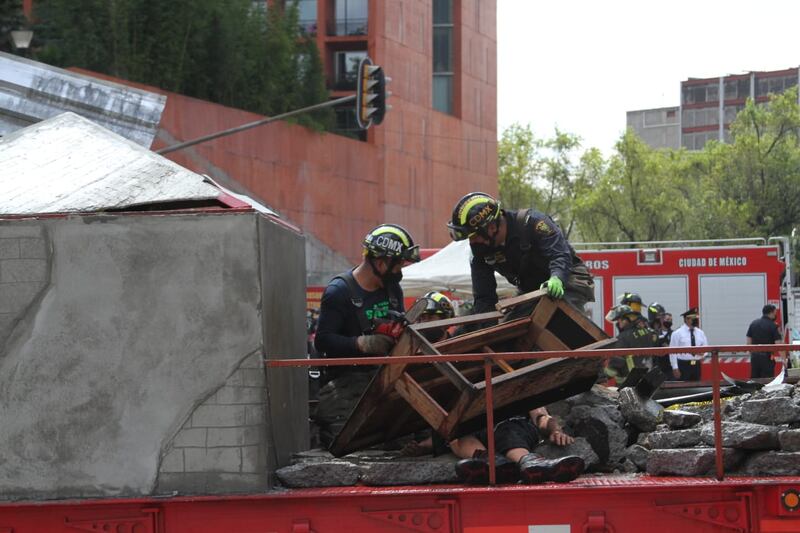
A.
pixel 451 397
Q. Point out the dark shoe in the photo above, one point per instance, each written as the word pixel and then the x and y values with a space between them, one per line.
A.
pixel 536 469
pixel 475 470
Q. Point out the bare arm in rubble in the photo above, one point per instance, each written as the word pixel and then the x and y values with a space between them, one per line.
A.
pixel 549 427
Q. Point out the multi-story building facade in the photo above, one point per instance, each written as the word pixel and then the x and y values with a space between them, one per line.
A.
pixel 709 106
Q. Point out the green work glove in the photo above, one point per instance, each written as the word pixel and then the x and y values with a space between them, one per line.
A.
pixel 554 287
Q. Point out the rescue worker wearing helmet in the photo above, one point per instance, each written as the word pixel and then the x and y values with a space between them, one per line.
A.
pixel 631 334
pixel 350 306
pixel 526 247
pixel 657 319
pixel 439 307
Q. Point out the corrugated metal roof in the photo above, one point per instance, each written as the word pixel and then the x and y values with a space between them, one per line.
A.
pixel 70 164
pixel 31 91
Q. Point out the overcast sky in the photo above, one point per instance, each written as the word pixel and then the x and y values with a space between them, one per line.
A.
pixel 581 64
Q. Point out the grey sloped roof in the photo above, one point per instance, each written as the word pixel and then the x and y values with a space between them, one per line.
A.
pixel 69 164
pixel 31 91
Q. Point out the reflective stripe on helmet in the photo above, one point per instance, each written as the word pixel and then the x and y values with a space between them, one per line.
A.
pixel 463 213
pixel 395 231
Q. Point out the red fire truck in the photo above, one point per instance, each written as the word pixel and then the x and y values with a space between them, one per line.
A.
pixel 728 280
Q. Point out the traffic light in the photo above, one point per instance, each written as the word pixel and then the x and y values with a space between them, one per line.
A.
pixel 370 94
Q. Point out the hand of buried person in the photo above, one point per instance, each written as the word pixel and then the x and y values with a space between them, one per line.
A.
pixel 559 438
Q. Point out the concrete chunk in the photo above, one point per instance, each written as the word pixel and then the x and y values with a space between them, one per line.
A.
pixel 742 435
pixel 773 464
pixel 410 471
pixel 771 411
pixel 682 438
pixel 789 440
pixel 602 427
pixel 677 419
pixel 638 456
pixel 689 462
pixel 643 413
pixel 319 474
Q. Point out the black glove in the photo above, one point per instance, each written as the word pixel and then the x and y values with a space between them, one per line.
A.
pixel 375 344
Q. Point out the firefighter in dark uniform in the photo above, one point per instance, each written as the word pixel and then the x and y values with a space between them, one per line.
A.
pixel 634 301
pixel 656 317
pixel 631 334
pixel 351 304
pixel 526 247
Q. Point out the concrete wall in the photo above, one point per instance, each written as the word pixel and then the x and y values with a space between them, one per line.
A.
pixel 659 128
pixel 131 365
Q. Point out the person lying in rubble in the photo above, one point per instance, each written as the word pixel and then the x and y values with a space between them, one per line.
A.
pixel 352 305
pixel 516 440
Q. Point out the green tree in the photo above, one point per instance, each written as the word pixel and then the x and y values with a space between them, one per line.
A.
pixel 641 196
pixel 757 176
pixel 518 164
pixel 226 51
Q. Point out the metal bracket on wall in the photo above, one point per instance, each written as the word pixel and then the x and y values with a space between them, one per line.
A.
pixel 731 514
pixel 422 520
pixel 147 522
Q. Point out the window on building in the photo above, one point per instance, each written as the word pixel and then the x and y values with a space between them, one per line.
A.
pixel 346 125
pixel 350 17
pixel 307 16
pixel 346 73
pixel 443 55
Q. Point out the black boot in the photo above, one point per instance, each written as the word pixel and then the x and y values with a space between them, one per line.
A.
pixel 536 469
pixel 475 470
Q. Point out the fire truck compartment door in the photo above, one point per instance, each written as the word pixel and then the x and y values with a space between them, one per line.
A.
pixel 596 307
pixel 728 303
pixel 670 291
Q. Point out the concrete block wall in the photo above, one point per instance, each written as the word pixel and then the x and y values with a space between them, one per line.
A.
pixel 24 272
pixel 224 440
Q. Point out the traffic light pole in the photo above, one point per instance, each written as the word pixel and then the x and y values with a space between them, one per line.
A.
pixel 237 129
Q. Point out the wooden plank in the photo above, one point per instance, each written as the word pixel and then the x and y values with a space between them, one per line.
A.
pixel 548 341
pixel 582 320
pixel 446 369
pixel 508 303
pixel 448 427
pixel 458 321
pixel 420 400
pixel 538 323
pixel 470 342
pixel 504 366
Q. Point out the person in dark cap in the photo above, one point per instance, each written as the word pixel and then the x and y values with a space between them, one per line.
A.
pixel 686 366
pixel 763 331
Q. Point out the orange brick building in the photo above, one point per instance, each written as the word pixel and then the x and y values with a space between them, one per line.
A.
pixel 430 149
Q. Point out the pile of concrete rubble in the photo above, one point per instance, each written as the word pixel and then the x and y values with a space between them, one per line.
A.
pixel 615 432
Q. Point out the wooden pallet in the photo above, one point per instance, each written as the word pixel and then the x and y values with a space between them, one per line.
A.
pixel 451 399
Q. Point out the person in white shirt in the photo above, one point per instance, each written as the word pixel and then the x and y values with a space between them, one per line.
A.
pixel 686 366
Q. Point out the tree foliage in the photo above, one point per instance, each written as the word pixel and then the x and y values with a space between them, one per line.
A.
pixel 227 51
pixel 749 187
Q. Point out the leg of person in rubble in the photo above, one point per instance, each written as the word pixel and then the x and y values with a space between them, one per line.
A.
pixel 337 398
pixel 516 440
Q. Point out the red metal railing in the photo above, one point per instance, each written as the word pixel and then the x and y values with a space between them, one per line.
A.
pixel 517 356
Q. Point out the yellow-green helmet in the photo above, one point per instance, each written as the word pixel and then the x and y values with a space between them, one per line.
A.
pixel 391 241
pixel 472 214
pixel 439 305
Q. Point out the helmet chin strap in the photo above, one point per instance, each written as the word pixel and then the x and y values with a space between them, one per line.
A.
pixel 374 269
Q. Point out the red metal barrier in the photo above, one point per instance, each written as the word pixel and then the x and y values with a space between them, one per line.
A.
pixel 516 356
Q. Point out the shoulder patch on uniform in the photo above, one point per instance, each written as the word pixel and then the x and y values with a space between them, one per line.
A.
pixel 543 228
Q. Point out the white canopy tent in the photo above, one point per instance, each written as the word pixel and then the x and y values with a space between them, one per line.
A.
pixel 447 270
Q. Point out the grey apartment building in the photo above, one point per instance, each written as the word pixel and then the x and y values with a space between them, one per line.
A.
pixel 708 106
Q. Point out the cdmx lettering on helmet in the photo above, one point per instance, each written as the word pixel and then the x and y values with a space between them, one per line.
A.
pixel 387 243
pixel 478 218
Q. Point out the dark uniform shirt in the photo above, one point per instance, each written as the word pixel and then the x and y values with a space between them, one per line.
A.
pixel 763 331
pixel 550 255
pixel 339 325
